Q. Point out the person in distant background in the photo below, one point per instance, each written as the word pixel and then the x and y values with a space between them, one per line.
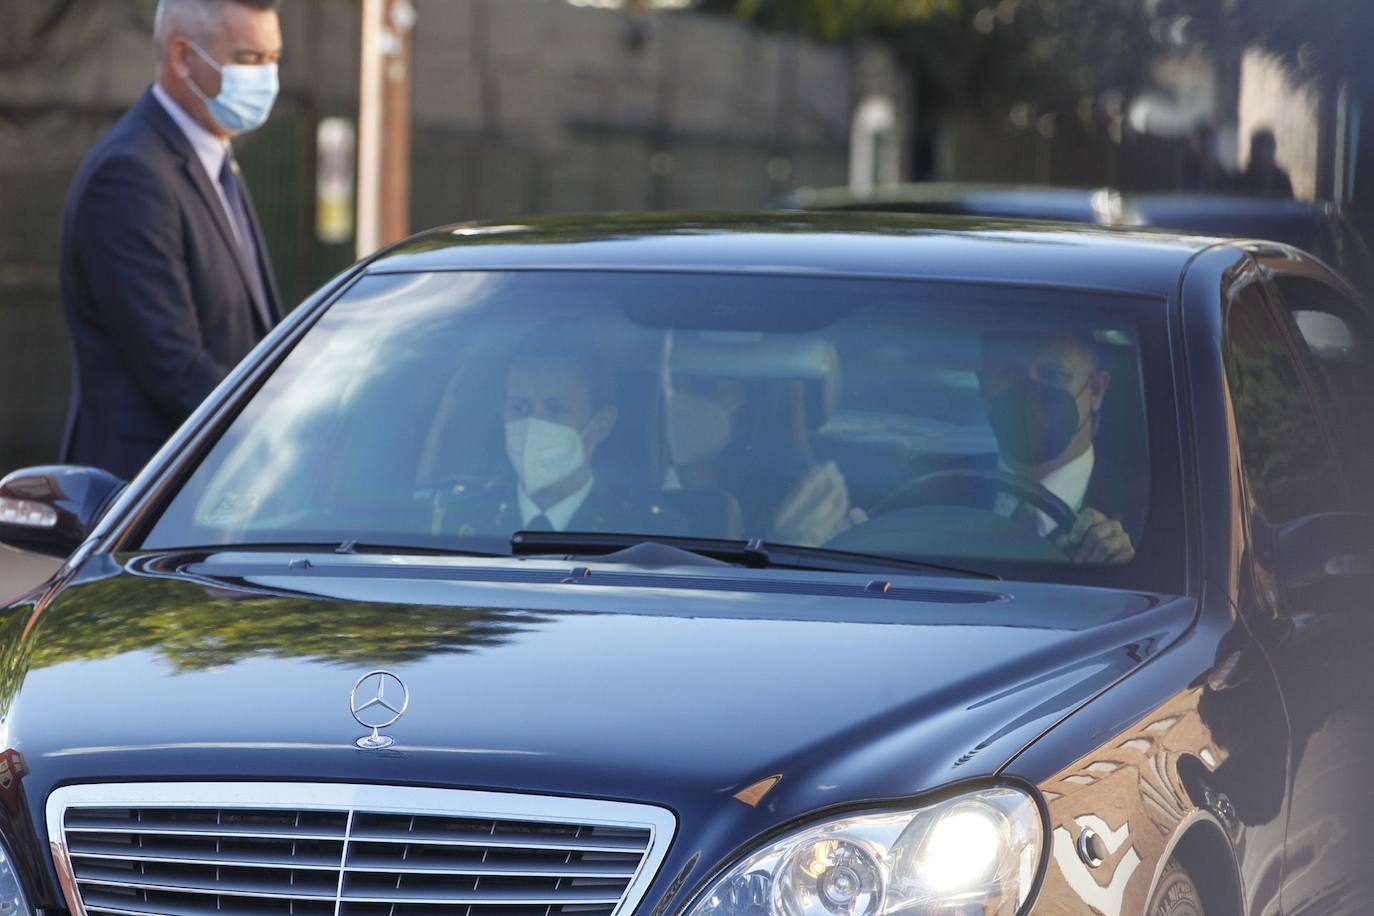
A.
pixel 1263 177
pixel 165 277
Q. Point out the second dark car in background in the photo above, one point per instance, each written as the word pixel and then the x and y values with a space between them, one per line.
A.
pixel 1320 228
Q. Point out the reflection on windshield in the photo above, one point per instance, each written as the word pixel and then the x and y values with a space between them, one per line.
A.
pixel 909 420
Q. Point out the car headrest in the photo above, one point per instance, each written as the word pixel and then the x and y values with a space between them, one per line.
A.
pixel 750 356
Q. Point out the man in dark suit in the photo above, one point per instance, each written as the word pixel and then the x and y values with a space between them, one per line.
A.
pixel 559 409
pixel 165 278
pixel 1044 392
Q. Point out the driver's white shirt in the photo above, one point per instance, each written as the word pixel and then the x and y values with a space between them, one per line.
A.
pixel 1069 483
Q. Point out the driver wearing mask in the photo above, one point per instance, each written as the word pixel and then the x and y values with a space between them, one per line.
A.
pixel 1043 394
pixel 558 410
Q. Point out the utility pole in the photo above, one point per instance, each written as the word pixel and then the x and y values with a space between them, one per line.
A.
pixel 1227 53
pixel 384 124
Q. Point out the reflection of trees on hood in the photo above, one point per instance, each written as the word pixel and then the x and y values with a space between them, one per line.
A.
pixel 195 629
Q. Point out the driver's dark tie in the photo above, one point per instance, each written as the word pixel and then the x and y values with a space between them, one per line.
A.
pixel 539 523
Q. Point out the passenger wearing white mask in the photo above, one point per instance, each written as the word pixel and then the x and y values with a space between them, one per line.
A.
pixel 554 421
pixel 558 410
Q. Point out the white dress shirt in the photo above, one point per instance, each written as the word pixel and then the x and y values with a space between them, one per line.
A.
pixel 560 514
pixel 211 151
pixel 1069 483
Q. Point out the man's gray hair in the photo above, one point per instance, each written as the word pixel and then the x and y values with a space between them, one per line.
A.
pixel 194 18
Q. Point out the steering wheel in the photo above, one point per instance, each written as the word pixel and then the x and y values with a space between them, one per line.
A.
pixel 446 490
pixel 978 489
pixel 460 483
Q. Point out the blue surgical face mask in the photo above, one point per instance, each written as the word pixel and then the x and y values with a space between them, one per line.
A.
pixel 246 94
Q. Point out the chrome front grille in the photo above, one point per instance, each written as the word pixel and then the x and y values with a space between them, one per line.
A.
pixel 287 849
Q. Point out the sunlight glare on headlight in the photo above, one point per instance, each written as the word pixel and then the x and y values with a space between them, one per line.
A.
pixel 960 850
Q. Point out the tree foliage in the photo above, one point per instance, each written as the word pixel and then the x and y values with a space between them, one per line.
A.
pixel 835 19
pixel 1323 38
pixel 993 54
pixel 977 47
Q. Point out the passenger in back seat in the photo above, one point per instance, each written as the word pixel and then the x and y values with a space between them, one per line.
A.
pixel 751 437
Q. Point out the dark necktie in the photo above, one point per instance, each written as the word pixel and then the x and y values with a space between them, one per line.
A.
pixel 243 226
pixel 539 523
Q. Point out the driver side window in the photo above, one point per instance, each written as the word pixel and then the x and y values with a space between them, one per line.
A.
pixel 1287 459
pixel 1333 335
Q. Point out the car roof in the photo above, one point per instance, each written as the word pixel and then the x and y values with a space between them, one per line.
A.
pixel 813 244
pixel 1080 205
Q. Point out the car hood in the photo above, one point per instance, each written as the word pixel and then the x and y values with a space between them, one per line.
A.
pixel 681 687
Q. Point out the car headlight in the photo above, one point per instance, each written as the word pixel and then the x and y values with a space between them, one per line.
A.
pixel 13 900
pixel 975 853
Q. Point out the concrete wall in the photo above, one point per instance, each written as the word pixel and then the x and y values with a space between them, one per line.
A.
pixel 521 106
pixel 615 111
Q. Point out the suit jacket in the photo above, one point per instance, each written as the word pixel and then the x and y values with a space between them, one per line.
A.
pixel 155 291
pixel 1118 495
pixel 495 509
pixel 1113 491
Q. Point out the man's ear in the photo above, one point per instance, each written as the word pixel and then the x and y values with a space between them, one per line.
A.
pixel 599 427
pixel 1101 381
pixel 179 55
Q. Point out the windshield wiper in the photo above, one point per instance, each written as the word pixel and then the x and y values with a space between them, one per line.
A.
pixel 357 547
pixel 755 554
pixel 349 547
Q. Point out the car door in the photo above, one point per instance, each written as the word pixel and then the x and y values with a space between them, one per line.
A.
pixel 1352 256
pixel 1302 400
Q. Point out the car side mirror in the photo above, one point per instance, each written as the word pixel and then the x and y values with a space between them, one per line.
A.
pixel 1327 558
pixel 52 509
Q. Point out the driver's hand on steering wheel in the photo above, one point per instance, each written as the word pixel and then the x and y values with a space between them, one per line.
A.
pixel 1097 539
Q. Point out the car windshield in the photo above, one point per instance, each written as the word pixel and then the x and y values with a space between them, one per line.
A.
pixel 1022 432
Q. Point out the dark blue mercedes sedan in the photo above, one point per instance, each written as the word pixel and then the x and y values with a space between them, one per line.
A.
pixel 785 565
